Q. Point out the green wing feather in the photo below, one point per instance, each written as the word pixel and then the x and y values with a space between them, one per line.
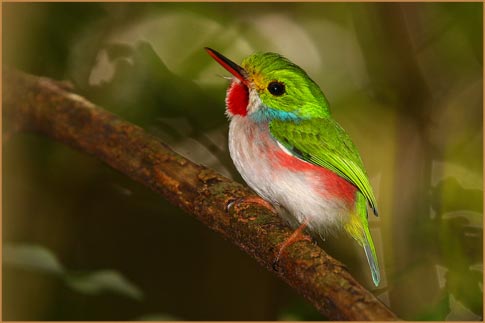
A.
pixel 323 142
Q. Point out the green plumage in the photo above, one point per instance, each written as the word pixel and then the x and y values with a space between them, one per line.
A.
pixel 298 117
pixel 303 95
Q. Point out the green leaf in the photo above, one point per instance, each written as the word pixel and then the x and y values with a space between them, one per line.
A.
pixel 41 259
pixel 32 257
pixel 103 281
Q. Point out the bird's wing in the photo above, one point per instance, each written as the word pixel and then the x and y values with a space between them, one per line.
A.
pixel 324 143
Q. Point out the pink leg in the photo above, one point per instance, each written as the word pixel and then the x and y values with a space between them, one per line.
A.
pixel 297 235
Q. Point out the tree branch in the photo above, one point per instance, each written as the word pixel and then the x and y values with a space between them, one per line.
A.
pixel 48 107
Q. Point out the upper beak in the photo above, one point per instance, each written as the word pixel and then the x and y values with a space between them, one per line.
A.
pixel 229 65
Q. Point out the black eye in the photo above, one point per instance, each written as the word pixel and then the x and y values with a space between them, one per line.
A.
pixel 276 88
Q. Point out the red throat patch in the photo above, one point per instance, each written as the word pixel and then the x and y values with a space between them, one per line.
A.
pixel 237 99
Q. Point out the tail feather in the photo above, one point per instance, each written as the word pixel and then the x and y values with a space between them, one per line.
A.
pixel 358 228
pixel 370 253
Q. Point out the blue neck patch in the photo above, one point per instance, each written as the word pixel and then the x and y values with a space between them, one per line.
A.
pixel 265 114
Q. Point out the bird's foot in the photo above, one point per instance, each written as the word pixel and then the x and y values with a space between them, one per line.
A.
pixel 250 199
pixel 297 235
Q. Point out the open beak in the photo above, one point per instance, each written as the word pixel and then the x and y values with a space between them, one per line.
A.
pixel 229 65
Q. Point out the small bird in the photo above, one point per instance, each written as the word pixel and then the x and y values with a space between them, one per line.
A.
pixel 292 153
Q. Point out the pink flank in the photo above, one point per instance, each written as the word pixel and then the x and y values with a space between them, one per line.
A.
pixel 329 184
pixel 237 99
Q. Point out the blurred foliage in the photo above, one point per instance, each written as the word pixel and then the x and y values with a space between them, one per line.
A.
pixel 40 259
pixel 405 80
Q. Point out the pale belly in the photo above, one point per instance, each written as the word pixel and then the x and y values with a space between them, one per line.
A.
pixel 307 191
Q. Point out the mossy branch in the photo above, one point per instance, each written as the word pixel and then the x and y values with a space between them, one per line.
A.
pixel 49 107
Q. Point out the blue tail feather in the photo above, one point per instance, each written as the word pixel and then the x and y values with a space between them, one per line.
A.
pixel 373 264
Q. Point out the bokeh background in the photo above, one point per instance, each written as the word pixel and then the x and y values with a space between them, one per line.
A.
pixel 83 242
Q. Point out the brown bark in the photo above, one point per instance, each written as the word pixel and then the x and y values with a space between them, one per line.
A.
pixel 48 107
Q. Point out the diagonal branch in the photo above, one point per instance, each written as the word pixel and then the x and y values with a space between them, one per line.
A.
pixel 45 106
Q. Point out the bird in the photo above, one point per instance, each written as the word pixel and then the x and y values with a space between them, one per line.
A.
pixel 289 149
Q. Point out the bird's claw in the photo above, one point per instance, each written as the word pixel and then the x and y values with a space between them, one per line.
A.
pixel 250 199
pixel 230 204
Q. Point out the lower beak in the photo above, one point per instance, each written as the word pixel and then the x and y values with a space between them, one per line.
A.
pixel 229 65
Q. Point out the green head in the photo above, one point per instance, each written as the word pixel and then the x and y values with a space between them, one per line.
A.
pixel 268 86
